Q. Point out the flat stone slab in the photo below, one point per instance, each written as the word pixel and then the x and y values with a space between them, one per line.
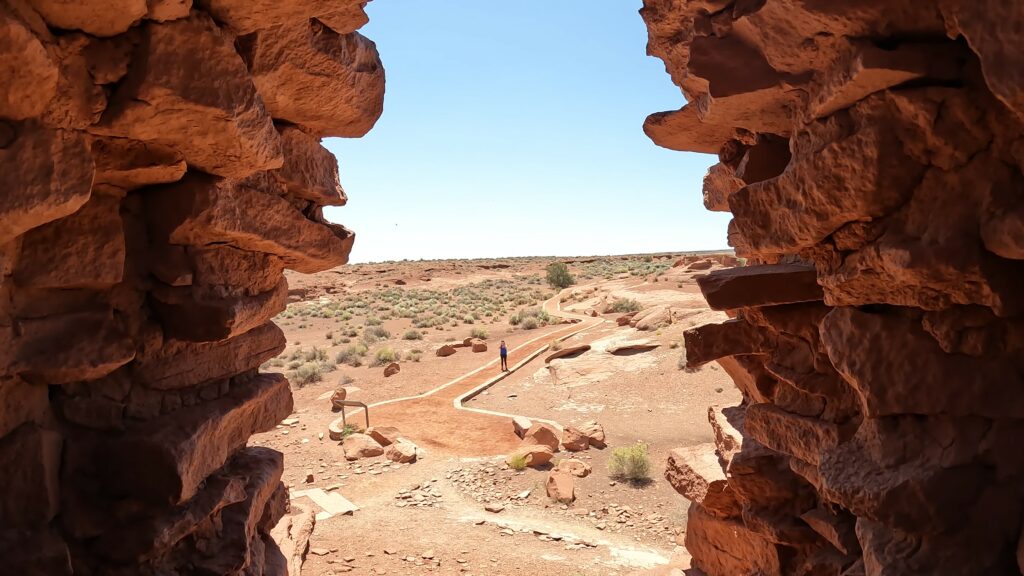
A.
pixel 761 285
pixel 331 503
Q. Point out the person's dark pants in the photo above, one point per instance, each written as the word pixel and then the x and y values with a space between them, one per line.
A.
pixel 504 362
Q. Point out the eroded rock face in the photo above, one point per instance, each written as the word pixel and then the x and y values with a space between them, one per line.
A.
pixel 151 200
pixel 871 155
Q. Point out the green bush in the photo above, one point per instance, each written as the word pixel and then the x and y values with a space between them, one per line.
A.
pixel 479 333
pixel 374 334
pixel 630 463
pixel 412 335
pixel 624 305
pixel 559 276
pixel 517 462
pixel 352 355
pixel 529 323
pixel 384 356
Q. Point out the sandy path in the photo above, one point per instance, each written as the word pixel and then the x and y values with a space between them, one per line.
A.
pixel 437 420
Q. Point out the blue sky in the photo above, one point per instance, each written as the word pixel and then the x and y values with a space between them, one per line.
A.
pixel 515 129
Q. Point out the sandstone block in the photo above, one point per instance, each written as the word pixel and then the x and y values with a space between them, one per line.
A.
pixel 392 369
pixel 837 528
pixel 571 351
pixel 860 345
pixel 203 211
pixel 727 423
pixel 96 18
pixel 843 170
pixel 245 16
pixel 402 451
pixel 543 434
pixel 536 455
pixel 185 317
pixel 20 403
pixel 384 435
pixel 130 164
pixel 37 553
pixel 799 436
pixel 72 347
pixel 520 425
pixel 30 457
pixel 695 472
pixel 83 250
pixel 181 364
pixel 29 72
pixel 748 553
pixel 361 446
pixel 52 170
pixel 865 69
pixel 169 98
pixel 328 83
pixel 225 272
pixel 760 285
pixel 479 347
pixel 577 468
pixel 310 171
pixel 561 486
pixel 720 183
pixel 574 440
pixel 594 433
pixel 446 350
pixel 166 460
pixel 715 341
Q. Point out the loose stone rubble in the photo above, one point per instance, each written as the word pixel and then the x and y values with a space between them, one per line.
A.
pixel 871 155
pixel 160 167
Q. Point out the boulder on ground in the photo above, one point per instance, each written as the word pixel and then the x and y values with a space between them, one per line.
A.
pixel 361 446
pixel 652 318
pixel 565 352
pixel 392 369
pixel 402 451
pixel 625 319
pixel 574 440
pixel 384 435
pixel 543 434
pixel 561 486
pixel 577 468
pixel 535 455
pixel 337 398
pixel 595 432
pixel 479 346
pixel 520 424
pixel 446 350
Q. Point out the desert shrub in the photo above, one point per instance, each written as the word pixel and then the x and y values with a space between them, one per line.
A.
pixel 517 462
pixel 555 345
pixel 329 335
pixel 413 356
pixel 468 319
pixel 345 340
pixel 412 335
pixel 479 333
pixel 348 430
pixel 307 373
pixel 384 356
pixel 630 463
pixel 352 355
pixel 372 321
pixel 624 305
pixel 529 323
pixel 558 275
pixel 374 334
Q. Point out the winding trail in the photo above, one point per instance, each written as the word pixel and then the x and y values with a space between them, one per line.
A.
pixel 438 420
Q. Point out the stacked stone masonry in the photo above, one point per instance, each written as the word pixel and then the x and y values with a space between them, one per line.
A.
pixel 160 166
pixel 877 147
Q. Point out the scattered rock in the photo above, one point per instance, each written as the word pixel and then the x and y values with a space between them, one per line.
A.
pixel 402 451
pixel 577 468
pixel 574 440
pixel 479 347
pixel 536 455
pixel 384 435
pixel 544 434
pixel 392 369
pixel 594 432
pixel 520 425
pixel 358 446
pixel 561 486
pixel 446 350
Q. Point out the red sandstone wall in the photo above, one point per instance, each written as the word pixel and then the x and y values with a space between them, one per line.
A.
pixel 160 166
pixel 878 148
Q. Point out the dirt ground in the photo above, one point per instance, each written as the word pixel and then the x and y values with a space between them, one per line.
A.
pixel 430 516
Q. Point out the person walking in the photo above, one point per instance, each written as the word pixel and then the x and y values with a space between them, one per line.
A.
pixel 504 356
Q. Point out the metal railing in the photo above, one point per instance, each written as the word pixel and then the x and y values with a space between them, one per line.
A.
pixel 355 403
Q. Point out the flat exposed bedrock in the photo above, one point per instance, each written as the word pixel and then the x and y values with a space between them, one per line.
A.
pixel 871 155
pixel 161 166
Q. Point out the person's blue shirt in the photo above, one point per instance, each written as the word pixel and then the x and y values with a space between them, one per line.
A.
pixel 504 351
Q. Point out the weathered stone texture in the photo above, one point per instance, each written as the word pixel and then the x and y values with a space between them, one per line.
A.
pixel 149 204
pixel 870 153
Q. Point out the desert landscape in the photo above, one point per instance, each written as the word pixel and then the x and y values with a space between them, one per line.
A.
pixel 435 485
